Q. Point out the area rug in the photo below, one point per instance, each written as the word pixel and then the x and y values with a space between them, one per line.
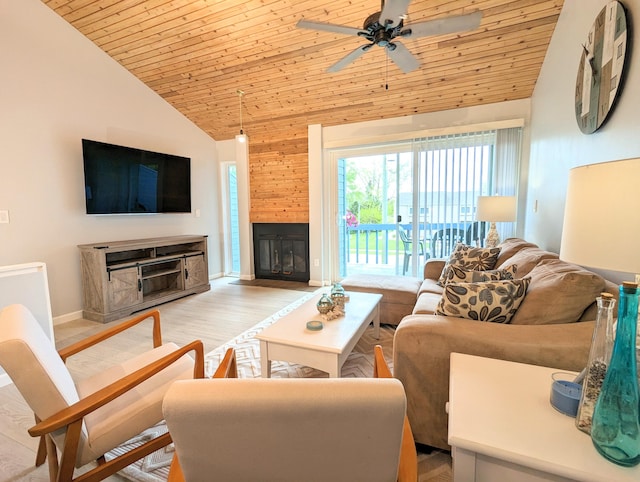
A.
pixel 155 467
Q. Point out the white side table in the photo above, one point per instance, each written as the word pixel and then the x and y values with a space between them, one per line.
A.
pixel 503 428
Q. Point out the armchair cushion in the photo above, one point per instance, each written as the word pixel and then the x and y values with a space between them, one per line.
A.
pixel 338 429
pixel 135 410
pixel 47 386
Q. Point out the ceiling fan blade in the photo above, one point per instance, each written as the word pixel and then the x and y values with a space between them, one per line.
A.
pixel 347 59
pixel 329 27
pixel 442 26
pixel 392 11
pixel 403 58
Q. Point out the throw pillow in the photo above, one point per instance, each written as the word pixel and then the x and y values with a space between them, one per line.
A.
pixel 495 301
pixel 461 275
pixel 469 258
pixel 559 293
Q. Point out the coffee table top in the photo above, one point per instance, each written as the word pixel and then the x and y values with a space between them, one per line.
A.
pixel 292 330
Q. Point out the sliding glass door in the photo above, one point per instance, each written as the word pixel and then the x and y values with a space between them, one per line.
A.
pixel 402 203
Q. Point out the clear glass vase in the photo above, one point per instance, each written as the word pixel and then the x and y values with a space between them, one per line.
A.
pixel 324 304
pixel 337 294
pixel 599 358
pixel 615 430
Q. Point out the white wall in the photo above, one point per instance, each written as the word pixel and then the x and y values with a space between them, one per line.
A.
pixel 56 88
pixel 556 141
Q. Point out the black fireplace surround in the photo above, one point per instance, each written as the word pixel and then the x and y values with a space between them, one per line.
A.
pixel 281 251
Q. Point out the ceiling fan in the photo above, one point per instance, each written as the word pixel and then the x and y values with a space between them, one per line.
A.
pixel 382 28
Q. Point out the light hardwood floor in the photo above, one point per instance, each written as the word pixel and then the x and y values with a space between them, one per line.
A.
pixel 213 317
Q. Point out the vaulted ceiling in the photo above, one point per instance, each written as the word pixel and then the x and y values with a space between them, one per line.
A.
pixel 197 54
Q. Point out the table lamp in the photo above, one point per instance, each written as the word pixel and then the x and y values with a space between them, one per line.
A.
pixel 495 209
pixel 601 220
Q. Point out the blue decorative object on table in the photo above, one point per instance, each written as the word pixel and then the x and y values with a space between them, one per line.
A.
pixel 615 430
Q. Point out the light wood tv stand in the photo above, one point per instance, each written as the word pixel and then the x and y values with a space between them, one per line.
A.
pixel 120 278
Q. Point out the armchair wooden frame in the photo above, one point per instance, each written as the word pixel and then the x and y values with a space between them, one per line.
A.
pixel 408 466
pixel 72 416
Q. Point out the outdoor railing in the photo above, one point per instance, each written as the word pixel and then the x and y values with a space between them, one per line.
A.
pixel 375 243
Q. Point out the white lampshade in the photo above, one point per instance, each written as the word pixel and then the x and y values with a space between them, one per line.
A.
pixel 496 208
pixel 602 218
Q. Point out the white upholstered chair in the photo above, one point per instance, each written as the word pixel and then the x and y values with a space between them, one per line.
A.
pixel 87 418
pixel 336 429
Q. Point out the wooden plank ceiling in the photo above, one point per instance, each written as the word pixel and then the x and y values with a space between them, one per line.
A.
pixel 196 54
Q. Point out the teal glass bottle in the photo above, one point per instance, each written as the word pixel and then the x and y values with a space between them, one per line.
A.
pixel 615 429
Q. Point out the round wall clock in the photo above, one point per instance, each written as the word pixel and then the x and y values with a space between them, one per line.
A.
pixel 601 67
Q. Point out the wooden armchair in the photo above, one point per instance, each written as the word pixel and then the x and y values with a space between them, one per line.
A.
pixel 311 429
pixel 88 418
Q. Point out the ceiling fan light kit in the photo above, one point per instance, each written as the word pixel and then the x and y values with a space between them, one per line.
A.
pixel 382 28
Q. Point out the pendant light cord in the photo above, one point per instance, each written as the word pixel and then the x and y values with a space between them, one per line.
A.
pixel 240 94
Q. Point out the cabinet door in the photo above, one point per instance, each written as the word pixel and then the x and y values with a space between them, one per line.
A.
pixel 124 288
pixel 195 271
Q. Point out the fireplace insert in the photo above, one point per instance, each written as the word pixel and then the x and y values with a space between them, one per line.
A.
pixel 281 251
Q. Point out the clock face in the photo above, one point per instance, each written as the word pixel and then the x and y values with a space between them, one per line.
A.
pixel 601 67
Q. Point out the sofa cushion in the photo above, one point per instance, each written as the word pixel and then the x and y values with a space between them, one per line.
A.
pixel 469 258
pixel 559 293
pixel 427 303
pixel 526 259
pixel 511 246
pixel 461 275
pixel 495 301
pixel 430 286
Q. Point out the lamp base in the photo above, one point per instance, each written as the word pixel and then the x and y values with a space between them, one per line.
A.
pixel 493 238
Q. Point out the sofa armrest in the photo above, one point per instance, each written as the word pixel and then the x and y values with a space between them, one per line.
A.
pixel 423 344
pixel 433 268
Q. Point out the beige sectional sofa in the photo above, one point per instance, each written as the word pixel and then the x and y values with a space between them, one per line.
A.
pixel 552 327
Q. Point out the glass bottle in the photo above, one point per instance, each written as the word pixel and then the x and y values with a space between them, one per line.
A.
pixel 599 358
pixel 337 294
pixel 615 430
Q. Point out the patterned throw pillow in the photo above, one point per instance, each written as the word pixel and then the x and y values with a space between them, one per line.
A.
pixel 495 301
pixel 469 258
pixel 461 275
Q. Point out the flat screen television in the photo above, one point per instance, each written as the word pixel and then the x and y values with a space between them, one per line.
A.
pixel 125 180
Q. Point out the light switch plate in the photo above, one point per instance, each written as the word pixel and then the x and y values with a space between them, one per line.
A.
pixel 4 217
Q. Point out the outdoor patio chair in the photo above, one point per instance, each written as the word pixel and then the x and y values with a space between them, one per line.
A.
pixel 407 244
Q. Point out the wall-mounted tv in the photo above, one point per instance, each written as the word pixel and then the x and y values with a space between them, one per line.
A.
pixel 125 180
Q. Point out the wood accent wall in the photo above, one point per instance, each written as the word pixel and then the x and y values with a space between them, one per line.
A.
pixel 279 180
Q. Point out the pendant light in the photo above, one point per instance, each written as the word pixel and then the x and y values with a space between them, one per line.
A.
pixel 242 137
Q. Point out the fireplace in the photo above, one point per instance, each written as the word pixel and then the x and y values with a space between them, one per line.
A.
pixel 281 251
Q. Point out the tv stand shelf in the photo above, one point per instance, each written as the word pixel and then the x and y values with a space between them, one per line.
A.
pixel 120 278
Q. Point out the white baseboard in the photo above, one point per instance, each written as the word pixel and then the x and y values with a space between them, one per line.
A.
pixel 58 320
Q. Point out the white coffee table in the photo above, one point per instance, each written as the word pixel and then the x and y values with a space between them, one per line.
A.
pixel 288 339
